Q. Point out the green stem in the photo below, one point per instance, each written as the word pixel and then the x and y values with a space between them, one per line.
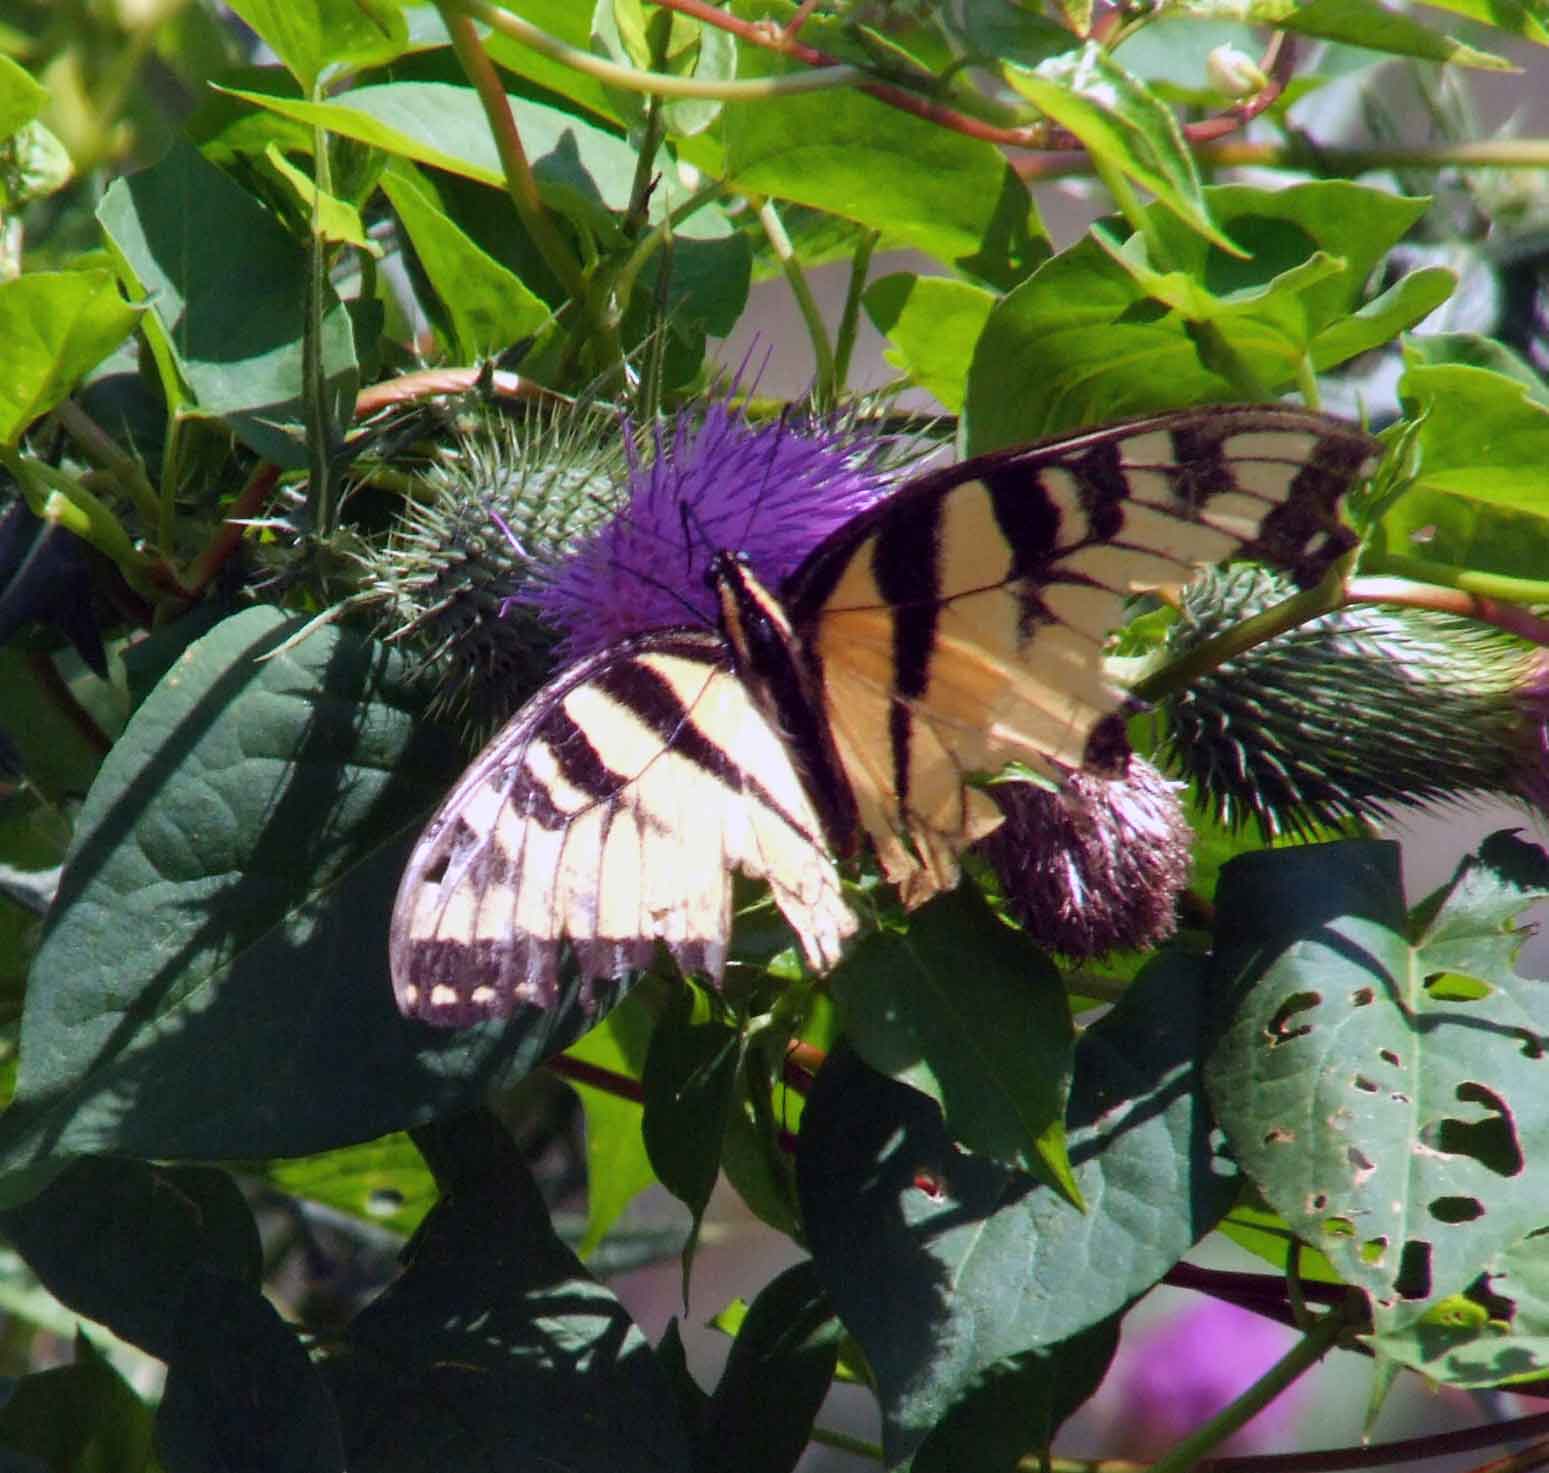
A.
pixel 662 84
pixel 824 392
pixel 521 185
pixel 845 1443
pixel 1301 1357
pixel 849 318
pixel 1287 614
pixel 1469 580
pixel 112 457
pixel 1307 382
pixel 655 238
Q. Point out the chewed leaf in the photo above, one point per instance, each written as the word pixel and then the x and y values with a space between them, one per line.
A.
pixel 1387 1094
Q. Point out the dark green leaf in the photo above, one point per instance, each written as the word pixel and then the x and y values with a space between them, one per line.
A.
pixel 1495 1333
pixel 942 1264
pixel 1384 1088
pixel 117 1240
pixel 760 1416
pixel 1017 1405
pixel 56 325
pixel 177 227
pixel 494 1348
pixel 971 1013
pixel 80 1417
pixel 689 1081
pixel 241 1392
pixel 222 921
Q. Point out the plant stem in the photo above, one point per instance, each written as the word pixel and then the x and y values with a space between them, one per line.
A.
pixel 1287 614
pixel 849 318
pixel 1301 1357
pixel 1508 616
pixel 1468 580
pixel 824 390
pixel 520 183
pixel 659 84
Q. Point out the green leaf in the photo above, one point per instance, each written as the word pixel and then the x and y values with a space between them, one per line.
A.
pixel 494 1348
pixel 82 1416
pixel 932 323
pixel 1477 504
pixel 241 1392
pixel 176 227
pixel 1089 328
pixel 942 1263
pixel 621 33
pixel 972 1014
pixel 779 1370
pixel 1394 1118
pixel 116 1241
pixel 56 325
pixel 1262 1231
pixel 1494 1334
pixel 383 1182
pixel 1124 126
pixel 567 21
pixel 21 98
pixel 310 36
pixel 953 197
pixel 1365 23
pixel 223 919
pixel 488 308
pixel 1512 16
pixel 581 170
pixel 617 1166
pixel 690 1081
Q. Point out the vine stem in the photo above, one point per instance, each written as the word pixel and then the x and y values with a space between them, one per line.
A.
pixel 1040 135
pixel 1301 1357
pixel 822 349
pixel 658 84
pixel 520 182
pixel 1506 616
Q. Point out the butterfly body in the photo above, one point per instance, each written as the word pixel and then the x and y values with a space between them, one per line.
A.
pixel 954 628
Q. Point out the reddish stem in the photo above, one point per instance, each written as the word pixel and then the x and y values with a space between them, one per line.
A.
pixel 609 1081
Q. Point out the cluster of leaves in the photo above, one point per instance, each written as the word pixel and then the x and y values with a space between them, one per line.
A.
pixel 189 377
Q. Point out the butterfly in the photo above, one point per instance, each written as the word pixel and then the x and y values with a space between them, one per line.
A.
pixel 953 628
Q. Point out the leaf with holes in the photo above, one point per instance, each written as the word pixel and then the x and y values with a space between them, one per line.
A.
pixel 1383 1077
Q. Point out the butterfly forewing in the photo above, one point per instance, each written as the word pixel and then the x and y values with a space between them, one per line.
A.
pixel 959 626
pixel 608 816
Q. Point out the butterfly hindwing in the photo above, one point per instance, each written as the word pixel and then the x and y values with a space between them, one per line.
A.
pixel 959 626
pixel 609 815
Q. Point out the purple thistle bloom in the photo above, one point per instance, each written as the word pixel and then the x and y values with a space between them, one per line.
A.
pixel 771 492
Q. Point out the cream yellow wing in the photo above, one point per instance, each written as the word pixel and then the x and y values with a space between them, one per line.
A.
pixel 606 817
pixel 959 626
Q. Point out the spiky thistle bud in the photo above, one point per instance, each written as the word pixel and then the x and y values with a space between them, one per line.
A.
pixel 1346 716
pixel 1096 865
pixel 494 513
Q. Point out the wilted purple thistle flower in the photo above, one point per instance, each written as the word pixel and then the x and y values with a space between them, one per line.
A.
pixel 1095 867
pixel 770 491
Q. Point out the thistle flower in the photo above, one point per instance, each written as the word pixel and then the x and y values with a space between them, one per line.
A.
pixel 1344 717
pixel 770 491
pixel 1095 866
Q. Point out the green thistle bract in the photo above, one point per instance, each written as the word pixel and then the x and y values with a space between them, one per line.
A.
pixel 1351 714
